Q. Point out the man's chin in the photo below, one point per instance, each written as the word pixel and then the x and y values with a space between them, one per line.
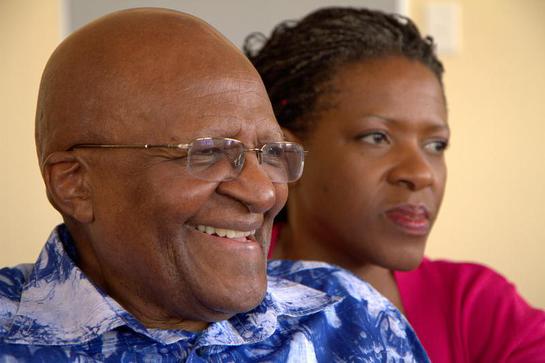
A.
pixel 238 302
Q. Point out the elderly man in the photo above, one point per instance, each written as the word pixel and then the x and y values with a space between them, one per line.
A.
pixel 158 146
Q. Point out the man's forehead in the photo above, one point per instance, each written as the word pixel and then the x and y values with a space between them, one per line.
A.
pixel 239 123
pixel 242 81
pixel 95 83
pixel 240 94
pixel 227 105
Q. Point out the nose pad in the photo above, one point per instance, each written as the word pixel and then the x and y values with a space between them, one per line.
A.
pixel 252 187
pixel 239 161
pixel 259 156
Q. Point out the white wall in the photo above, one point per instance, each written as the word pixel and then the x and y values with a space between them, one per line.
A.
pixel 234 18
pixel 494 208
pixel 29 31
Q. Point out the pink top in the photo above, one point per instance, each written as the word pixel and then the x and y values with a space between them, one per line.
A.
pixel 465 312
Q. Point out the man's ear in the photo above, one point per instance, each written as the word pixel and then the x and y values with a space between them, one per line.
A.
pixel 67 185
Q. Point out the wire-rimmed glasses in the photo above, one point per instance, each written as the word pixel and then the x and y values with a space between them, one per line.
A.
pixel 222 159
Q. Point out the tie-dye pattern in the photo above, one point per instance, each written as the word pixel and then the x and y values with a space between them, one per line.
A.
pixel 312 312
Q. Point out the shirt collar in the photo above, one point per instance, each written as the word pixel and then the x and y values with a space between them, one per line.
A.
pixel 283 298
pixel 60 305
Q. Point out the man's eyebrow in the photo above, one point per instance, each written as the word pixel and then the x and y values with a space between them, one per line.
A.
pixel 273 135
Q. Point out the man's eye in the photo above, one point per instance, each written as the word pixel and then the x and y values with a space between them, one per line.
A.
pixel 207 155
pixel 208 151
pixel 275 151
pixel 375 138
pixel 436 146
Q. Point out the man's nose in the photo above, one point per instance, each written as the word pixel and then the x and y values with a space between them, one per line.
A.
pixel 412 170
pixel 252 187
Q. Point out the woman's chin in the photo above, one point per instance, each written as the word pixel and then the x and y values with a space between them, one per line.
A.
pixel 406 261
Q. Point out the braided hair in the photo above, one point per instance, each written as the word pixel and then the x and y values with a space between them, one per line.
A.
pixel 299 58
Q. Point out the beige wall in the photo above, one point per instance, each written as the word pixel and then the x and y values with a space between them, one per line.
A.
pixel 29 32
pixel 494 211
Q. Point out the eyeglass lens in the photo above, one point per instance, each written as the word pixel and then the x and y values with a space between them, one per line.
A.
pixel 217 159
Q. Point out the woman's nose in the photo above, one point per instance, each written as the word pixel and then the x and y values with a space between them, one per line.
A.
pixel 412 171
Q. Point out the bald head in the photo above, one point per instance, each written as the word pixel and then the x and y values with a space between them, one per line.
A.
pixel 94 86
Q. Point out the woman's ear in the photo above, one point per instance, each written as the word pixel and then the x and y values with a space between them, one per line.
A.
pixel 67 186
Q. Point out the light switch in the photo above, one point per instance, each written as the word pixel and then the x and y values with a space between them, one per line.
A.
pixel 443 23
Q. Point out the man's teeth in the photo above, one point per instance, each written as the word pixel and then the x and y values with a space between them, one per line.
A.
pixel 229 233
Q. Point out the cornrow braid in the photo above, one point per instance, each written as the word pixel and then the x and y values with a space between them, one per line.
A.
pixel 300 56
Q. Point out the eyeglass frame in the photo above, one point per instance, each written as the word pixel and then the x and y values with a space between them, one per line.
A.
pixel 187 147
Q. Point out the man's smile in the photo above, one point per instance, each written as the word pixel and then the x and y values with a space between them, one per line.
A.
pixel 241 236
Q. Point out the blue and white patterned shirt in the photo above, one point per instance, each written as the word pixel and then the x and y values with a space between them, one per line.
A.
pixel 51 312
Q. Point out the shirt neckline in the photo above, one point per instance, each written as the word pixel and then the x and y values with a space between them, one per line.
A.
pixel 59 305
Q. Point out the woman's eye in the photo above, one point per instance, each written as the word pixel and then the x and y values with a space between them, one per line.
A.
pixel 375 138
pixel 436 146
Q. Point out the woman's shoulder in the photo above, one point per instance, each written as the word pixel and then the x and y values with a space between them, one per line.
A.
pixel 456 267
pixel 446 274
pixel 474 285
pixel 484 315
pixel 464 285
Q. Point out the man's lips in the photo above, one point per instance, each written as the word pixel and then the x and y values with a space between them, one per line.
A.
pixel 411 219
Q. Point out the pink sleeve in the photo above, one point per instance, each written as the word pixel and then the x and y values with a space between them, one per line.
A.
pixel 500 325
pixel 468 313
pixel 275 233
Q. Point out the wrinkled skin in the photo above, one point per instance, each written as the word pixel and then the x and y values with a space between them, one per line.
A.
pixel 376 142
pixel 158 76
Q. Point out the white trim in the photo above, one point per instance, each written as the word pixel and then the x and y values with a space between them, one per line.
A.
pixel 403 7
pixel 64 23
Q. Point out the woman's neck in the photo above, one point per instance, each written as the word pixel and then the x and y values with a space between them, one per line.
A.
pixel 379 277
pixel 383 281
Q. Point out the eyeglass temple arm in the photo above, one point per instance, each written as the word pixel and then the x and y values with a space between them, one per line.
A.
pixel 129 146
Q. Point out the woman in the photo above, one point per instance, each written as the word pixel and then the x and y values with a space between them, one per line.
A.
pixel 362 90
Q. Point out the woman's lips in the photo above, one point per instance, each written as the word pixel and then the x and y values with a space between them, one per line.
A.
pixel 411 219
